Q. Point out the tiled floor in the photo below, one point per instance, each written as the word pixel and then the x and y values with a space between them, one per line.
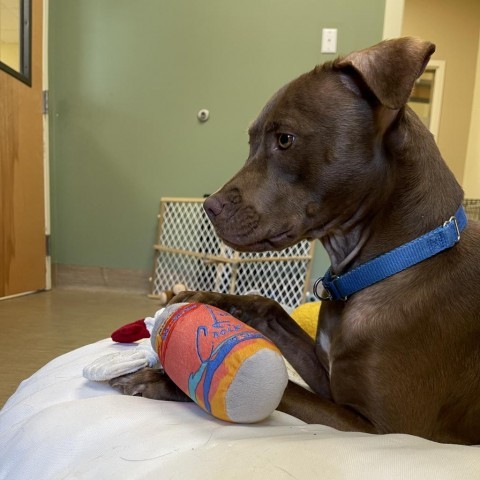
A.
pixel 39 327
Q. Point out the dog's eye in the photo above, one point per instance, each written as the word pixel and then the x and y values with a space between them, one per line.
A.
pixel 285 140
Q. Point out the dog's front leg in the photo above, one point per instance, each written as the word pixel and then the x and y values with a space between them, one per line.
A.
pixel 149 383
pixel 269 318
pixel 314 409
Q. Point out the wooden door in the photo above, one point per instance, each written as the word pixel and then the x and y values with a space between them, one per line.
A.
pixel 22 211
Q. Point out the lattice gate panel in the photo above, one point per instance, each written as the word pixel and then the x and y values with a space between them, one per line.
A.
pixel 472 208
pixel 189 252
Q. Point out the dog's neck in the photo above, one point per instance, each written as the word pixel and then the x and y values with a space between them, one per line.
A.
pixel 345 242
pixel 445 236
pixel 420 194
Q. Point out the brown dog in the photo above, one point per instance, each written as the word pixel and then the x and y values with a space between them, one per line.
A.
pixel 337 155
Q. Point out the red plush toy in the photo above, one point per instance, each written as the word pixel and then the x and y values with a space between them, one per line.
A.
pixel 132 332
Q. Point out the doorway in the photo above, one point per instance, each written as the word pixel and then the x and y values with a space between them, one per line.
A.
pixel 426 97
pixel 23 250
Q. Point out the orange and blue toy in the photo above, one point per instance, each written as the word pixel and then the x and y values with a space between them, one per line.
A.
pixel 229 369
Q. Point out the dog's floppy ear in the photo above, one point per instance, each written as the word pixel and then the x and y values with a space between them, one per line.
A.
pixel 390 68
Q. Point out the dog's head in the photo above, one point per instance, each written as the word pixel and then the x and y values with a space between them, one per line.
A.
pixel 316 149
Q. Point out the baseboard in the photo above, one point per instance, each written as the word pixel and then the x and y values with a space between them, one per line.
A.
pixel 119 279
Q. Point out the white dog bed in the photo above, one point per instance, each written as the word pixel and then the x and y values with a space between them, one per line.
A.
pixel 60 426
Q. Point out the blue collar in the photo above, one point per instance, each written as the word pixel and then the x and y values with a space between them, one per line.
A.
pixel 388 264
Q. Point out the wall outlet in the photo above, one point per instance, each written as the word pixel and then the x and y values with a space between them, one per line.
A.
pixel 329 40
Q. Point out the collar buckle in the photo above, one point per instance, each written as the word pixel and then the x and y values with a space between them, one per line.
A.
pixel 455 221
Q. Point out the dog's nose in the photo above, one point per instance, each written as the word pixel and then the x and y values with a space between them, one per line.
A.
pixel 212 206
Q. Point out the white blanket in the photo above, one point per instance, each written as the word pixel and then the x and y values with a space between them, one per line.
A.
pixel 60 426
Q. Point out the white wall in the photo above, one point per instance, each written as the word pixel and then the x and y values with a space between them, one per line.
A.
pixel 454 27
pixel 471 178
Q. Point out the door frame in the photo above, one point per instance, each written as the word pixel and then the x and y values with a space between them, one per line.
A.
pixel 45 155
pixel 46 148
pixel 393 19
pixel 437 96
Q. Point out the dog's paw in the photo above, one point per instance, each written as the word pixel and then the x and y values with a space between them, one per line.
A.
pixel 136 382
pixel 149 383
pixel 243 307
pixel 209 298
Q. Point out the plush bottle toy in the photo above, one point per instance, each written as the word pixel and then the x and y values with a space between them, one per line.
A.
pixel 229 369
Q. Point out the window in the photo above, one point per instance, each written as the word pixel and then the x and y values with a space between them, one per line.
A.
pixel 15 38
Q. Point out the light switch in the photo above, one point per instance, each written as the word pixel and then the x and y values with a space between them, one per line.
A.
pixel 329 40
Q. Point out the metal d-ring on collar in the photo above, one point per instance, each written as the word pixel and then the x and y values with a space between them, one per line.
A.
pixel 340 287
pixel 319 284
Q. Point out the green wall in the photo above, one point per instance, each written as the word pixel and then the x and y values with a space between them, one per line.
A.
pixel 127 79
